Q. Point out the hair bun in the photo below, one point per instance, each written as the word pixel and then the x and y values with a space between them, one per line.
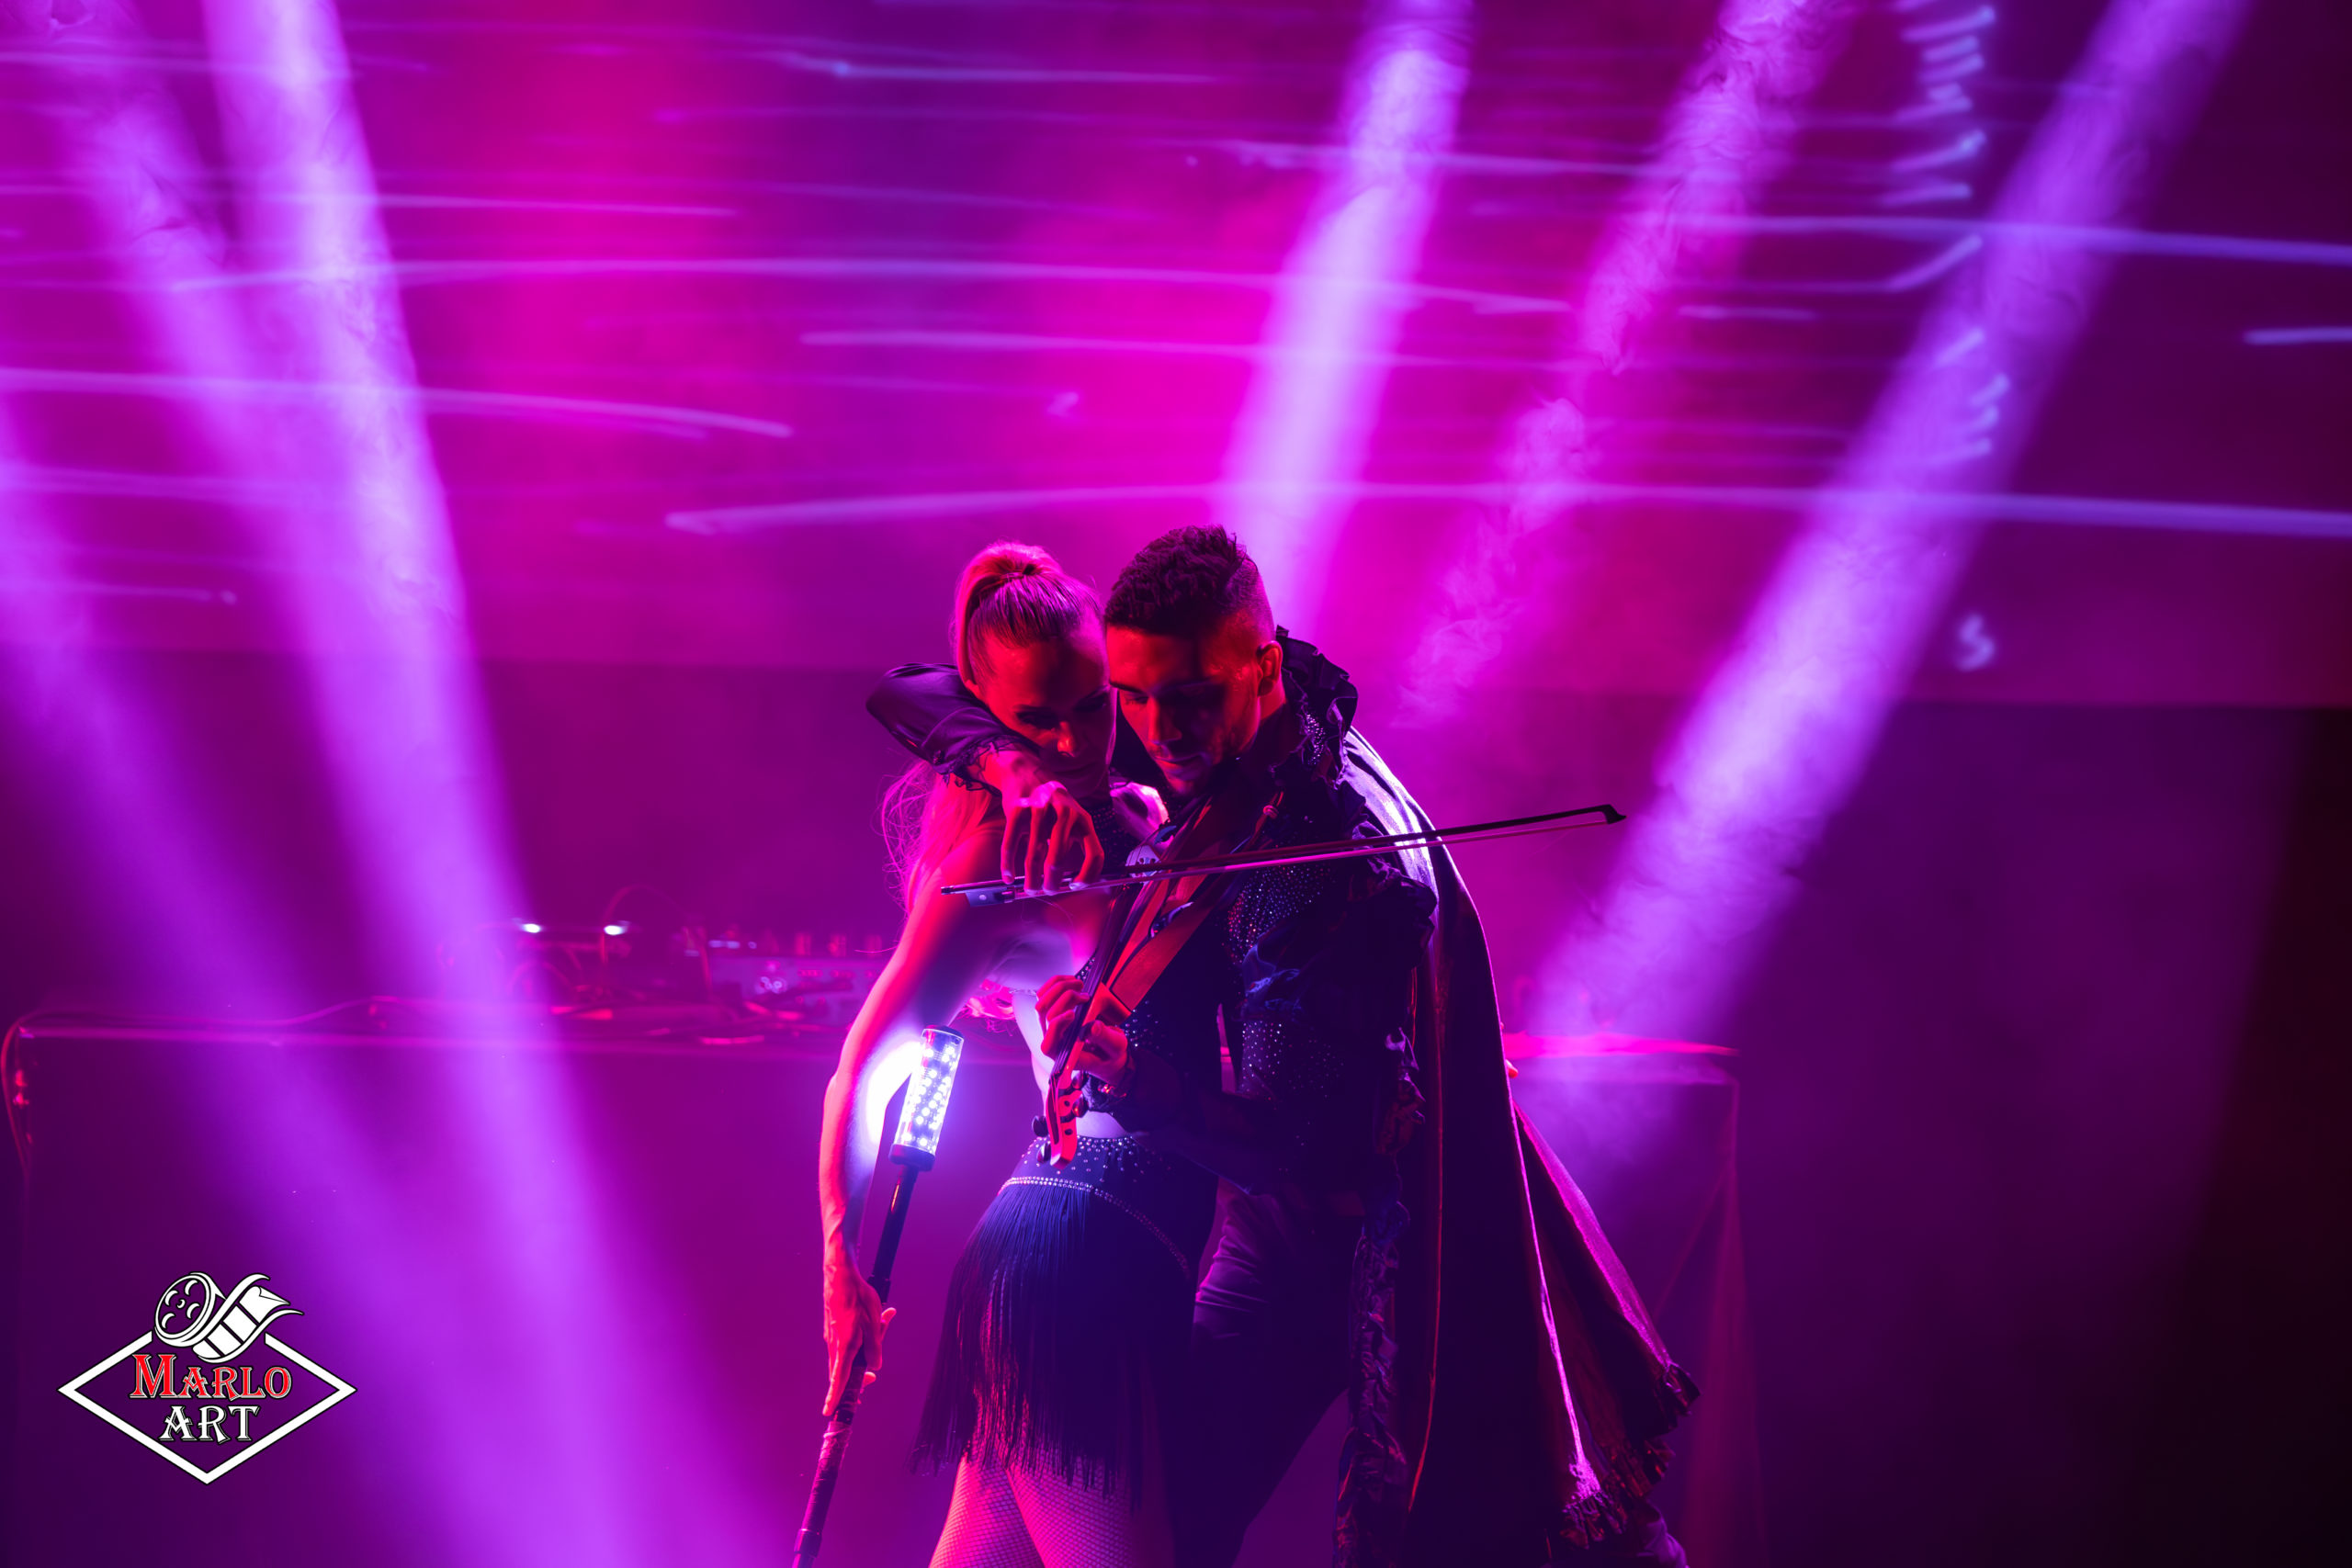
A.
pixel 1018 591
pixel 1009 558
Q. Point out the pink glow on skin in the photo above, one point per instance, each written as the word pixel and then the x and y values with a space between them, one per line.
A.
pixel 1307 421
pixel 1727 137
pixel 1782 732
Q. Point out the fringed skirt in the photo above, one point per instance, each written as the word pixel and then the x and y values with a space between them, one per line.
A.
pixel 1070 1316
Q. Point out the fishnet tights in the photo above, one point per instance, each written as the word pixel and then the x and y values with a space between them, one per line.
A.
pixel 1009 1516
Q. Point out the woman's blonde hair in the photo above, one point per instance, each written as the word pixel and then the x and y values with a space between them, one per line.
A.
pixel 1015 593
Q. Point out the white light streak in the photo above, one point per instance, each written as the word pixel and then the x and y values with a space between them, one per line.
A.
pixel 1307 419
pixel 1726 136
pixel 1781 736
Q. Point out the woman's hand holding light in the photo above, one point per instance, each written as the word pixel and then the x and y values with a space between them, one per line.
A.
pixel 856 1320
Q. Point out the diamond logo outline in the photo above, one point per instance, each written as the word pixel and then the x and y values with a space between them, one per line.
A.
pixel 73 1391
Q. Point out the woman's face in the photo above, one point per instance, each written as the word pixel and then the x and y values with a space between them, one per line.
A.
pixel 1056 695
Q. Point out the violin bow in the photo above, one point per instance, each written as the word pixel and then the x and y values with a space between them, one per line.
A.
pixel 1002 892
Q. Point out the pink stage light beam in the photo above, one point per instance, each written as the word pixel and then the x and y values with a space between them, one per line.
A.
pixel 125 150
pixel 77 703
pixel 91 734
pixel 397 706
pixel 512 1483
pixel 1782 734
pixel 401 718
pixel 159 854
pixel 1726 138
pixel 1307 421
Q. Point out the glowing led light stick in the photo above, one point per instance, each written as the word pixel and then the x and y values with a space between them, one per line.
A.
pixel 919 1120
pixel 913 1151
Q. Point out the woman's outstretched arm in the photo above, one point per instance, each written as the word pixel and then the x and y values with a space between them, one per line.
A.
pixel 946 950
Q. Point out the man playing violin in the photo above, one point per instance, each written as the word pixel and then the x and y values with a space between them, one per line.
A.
pixel 1364 1076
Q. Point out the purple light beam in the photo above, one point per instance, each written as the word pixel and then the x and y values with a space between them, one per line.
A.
pixel 400 716
pixel 401 719
pixel 85 730
pixel 1727 137
pixel 129 156
pixel 508 1484
pixel 1307 419
pixel 1783 730
pixel 362 524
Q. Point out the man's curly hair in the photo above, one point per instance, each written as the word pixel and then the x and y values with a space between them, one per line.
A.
pixel 1188 583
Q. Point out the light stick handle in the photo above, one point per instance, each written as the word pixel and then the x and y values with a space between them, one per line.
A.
pixel 845 1411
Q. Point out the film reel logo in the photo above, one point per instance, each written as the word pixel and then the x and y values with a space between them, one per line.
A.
pixel 240 1389
pixel 198 1315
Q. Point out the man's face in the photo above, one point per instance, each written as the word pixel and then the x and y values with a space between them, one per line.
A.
pixel 1193 702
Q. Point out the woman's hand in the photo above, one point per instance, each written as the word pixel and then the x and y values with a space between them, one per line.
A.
pixel 1049 840
pixel 856 1320
pixel 1099 1050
